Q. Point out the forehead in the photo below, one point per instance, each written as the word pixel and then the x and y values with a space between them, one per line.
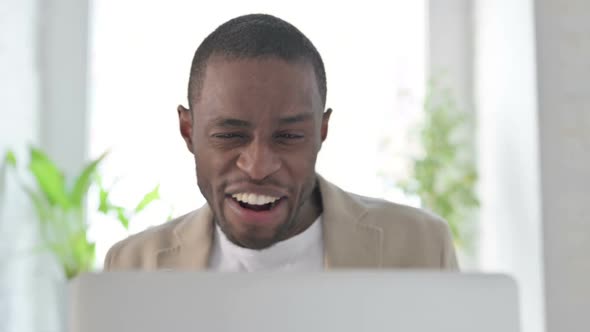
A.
pixel 257 85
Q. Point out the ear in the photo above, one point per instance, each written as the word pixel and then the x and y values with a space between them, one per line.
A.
pixel 185 122
pixel 325 120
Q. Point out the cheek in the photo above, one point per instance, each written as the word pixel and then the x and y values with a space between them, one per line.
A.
pixel 301 167
pixel 304 159
pixel 213 168
pixel 203 177
pixel 210 160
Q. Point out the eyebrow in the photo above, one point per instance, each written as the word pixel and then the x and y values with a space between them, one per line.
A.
pixel 296 118
pixel 233 123
pixel 230 122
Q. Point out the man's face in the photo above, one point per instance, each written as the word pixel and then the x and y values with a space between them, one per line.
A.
pixel 255 132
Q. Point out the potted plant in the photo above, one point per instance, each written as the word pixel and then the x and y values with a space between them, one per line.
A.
pixel 444 176
pixel 60 205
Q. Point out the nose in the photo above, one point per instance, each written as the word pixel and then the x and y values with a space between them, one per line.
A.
pixel 258 160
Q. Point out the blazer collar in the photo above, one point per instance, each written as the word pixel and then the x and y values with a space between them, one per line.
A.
pixel 193 236
pixel 348 241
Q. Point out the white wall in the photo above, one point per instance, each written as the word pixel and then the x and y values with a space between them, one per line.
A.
pixel 450 47
pixel 563 58
pixel 505 85
pixel 43 47
pixel 63 65
pixel 533 102
pixel 19 122
pixel 450 65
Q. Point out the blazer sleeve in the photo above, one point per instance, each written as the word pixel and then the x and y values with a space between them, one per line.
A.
pixel 109 258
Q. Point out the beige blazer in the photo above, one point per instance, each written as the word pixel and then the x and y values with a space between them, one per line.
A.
pixel 359 232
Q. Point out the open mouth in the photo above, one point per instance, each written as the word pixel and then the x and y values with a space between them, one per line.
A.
pixel 265 207
pixel 258 203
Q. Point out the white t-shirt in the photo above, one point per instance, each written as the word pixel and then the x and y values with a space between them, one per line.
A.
pixel 303 252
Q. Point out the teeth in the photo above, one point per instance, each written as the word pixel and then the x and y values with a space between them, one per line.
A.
pixel 254 199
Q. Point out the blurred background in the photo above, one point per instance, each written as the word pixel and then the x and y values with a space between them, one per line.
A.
pixel 476 110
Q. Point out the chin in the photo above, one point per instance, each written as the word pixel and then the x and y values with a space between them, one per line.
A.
pixel 250 239
pixel 256 243
pixel 253 237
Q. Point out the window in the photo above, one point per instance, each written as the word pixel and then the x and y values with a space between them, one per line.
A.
pixel 374 52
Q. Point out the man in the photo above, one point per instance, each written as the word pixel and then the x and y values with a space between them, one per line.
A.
pixel 255 124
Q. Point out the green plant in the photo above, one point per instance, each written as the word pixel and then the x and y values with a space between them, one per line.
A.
pixel 60 206
pixel 444 176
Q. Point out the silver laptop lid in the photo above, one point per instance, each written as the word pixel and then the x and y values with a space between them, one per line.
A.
pixel 263 302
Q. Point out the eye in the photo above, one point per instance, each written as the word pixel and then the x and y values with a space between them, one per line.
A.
pixel 228 135
pixel 288 138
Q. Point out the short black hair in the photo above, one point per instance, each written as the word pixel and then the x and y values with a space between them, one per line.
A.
pixel 256 36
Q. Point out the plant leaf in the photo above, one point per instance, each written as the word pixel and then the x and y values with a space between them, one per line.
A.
pixel 444 183
pixel 41 206
pixel 148 198
pixel 122 217
pixel 78 255
pixel 104 205
pixel 49 179
pixel 84 181
pixel 10 158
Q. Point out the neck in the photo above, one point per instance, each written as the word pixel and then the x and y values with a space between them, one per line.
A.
pixel 309 212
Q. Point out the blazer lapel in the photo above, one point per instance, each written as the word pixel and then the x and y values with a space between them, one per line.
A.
pixel 192 238
pixel 348 242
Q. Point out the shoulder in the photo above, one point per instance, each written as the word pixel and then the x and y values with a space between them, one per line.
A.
pixel 378 212
pixel 389 215
pixel 138 250
pixel 412 237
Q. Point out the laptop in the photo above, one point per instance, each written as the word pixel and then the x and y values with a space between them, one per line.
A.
pixel 352 301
